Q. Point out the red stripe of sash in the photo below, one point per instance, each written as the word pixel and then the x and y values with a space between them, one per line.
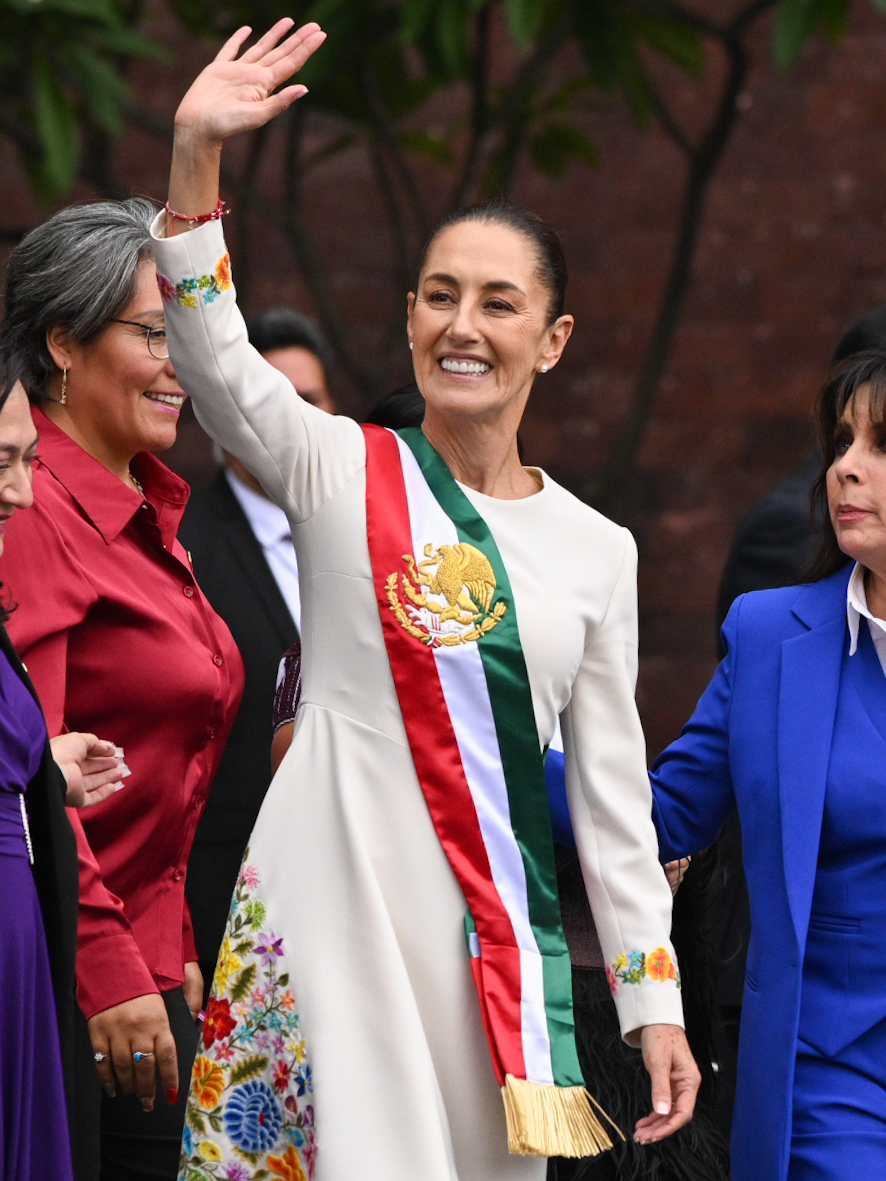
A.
pixel 438 761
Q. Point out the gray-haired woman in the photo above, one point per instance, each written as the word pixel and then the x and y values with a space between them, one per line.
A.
pixel 114 630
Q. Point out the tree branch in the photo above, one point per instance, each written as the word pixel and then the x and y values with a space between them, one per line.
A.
pixel 479 109
pixel 704 159
pixel 515 110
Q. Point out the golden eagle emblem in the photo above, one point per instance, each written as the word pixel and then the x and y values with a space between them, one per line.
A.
pixel 448 597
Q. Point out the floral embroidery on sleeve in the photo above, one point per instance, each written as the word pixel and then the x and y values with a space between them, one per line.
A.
pixel 189 292
pixel 632 967
pixel 249 1112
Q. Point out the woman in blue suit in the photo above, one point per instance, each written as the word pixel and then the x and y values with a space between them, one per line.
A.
pixel 792 733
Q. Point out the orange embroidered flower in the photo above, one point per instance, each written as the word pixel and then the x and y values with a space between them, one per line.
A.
pixel 208 1083
pixel 223 272
pixel 658 964
pixel 287 1000
pixel 289 1167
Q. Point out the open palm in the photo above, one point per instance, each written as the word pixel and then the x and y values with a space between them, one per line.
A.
pixel 239 93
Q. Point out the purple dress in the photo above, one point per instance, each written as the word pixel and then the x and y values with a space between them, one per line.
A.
pixel 34 1143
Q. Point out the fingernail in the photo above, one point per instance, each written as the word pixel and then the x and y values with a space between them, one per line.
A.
pixel 662 1108
pixel 148 1104
pixel 110 1092
pixel 171 1095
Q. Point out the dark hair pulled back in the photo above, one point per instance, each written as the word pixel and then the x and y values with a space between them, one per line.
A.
pixel 551 270
pixel 867 369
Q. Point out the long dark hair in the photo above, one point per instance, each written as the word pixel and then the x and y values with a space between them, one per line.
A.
pixel 866 369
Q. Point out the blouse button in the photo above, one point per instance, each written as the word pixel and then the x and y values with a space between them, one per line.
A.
pixel 218 660
pixel 188 592
pixel 177 877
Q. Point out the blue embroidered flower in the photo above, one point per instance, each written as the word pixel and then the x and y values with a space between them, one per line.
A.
pixel 252 1117
pixel 296 1136
pixel 636 967
pixel 304 1080
pixel 188 1141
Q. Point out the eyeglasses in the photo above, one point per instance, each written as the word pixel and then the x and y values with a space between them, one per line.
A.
pixel 155 335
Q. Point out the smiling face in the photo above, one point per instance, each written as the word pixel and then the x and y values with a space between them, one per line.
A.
pixel 120 398
pixel 478 323
pixel 18 445
pixel 856 485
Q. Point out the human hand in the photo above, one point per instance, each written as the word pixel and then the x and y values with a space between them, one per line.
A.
pixel 675 871
pixel 193 988
pixel 675 1080
pixel 234 94
pixel 139 1025
pixel 90 768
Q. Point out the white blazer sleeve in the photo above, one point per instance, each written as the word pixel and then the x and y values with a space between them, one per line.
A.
pixel 610 802
pixel 300 455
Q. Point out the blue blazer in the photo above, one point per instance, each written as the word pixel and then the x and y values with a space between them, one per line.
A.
pixel 760 740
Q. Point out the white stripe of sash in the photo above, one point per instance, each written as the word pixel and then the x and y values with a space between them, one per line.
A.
pixel 467 699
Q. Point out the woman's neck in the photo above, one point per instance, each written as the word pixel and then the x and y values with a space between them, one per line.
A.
pixel 481 455
pixel 116 462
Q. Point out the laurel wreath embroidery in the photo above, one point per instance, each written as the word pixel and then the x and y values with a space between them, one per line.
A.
pixel 462 576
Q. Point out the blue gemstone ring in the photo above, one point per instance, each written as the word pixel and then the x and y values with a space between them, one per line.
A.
pixel 139 1054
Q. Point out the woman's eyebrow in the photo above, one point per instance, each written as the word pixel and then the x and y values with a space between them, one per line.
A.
pixel 492 285
pixel 14 449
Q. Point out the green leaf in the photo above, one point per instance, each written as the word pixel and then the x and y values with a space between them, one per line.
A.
pixel 129 43
pixel 833 16
pixel 682 45
pixel 104 90
pixel 422 143
pixel 196 1120
pixel 414 19
pixel 284 979
pixel 556 145
pixel 451 33
pixel 243 983
pixel 248 1068
pixel 794 22
pixel 524 19
pixel 56 129
pixel 244 946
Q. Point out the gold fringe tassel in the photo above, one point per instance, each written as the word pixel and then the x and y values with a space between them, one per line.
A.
pixel 554 1121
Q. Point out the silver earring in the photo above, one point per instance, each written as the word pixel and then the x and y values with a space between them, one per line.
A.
pixel 63 400
pixel 410 346
pixel 543 369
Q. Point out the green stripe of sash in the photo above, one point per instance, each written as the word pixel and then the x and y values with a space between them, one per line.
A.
pixel 508 683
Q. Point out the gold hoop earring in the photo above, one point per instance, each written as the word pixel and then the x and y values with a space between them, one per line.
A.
pixel 63 400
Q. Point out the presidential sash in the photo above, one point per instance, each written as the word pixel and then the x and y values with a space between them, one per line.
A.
pixel 452 637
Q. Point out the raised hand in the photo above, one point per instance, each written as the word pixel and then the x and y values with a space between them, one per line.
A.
pixel 239 93
pixel 231 95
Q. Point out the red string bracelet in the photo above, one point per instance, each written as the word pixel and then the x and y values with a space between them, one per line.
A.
pixel 220 210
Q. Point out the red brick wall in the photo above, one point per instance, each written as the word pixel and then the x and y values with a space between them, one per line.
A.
pixel 793 246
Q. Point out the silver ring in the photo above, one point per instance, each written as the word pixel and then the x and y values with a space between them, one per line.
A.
pixel 139 1054
pixel 99 1057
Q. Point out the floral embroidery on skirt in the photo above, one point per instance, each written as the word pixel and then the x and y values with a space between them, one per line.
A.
pixel 249 1111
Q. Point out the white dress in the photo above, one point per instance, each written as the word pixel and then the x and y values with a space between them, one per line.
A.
pixel 351 876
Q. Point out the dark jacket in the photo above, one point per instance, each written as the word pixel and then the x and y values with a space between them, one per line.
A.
pixel 230 567
pixel 56 877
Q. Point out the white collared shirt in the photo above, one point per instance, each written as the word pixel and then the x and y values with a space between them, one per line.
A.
pixel 274 534
pixel 856 609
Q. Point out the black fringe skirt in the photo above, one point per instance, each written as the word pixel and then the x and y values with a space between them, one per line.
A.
pixel 616 1077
